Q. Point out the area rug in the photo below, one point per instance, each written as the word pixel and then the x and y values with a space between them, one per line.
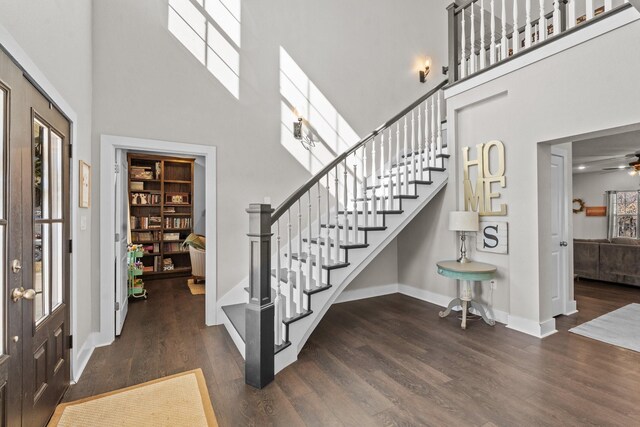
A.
pixel 620 327
pixel 176 400
pixel 195 288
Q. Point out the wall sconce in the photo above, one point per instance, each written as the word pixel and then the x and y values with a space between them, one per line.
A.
pixel 425 72
pixel 306 140
pixel 297 129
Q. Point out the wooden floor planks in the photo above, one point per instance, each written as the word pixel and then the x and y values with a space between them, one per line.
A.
pixel 388 361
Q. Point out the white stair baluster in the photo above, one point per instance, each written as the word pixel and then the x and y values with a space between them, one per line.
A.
pixel 355 200
pixel 374 192
pixel 307 283
pixel 383 201
pixel 277 302
pixel 589 6
pixel 542 23
pixel 346 205
pixel 433 132
pixel 483 51
pixel 391 183
pixel 504 47
pixel 472 44
pixel 398 182
pixel 515 37
pixel 406 164
pixel 527 24
pixel 572 13
pixel 299 293
pixel 413 146
pixel 420 146
pixel 463 52
pixel 608 4
pixel 319 260
pixel 327 239
pixel 427 146
pixel 365 202
pixel 556 17
pixel 290 272
pixel 492 43
pixel 439 130
pixel 336 229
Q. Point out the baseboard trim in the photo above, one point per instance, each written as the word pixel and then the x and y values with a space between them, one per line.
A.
pixel 364 293
pixel 571 308
pixel 83 355
pixel 532 327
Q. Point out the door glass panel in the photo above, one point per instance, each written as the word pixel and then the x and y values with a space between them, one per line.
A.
pixel 56 176
pixel 56 264
pixel 41 270
pixel 40 170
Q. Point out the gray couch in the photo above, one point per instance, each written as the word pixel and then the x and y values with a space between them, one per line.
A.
pixel 616 260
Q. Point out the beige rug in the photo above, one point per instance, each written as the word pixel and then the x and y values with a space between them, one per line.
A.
pixel 195 288
pixel 176 400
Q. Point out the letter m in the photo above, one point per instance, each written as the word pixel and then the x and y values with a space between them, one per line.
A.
pixel 473 199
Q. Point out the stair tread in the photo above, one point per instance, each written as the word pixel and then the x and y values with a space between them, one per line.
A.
pixel 236 315
pixel 331 266
pixel 381 212
pixel 428 168
pixel 314 240
pixel 296 317
pixel 360 228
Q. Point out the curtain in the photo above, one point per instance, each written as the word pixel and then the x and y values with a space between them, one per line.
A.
pixel 611 214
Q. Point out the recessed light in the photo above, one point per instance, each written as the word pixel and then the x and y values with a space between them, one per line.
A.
pixel 621 167
pixel 581 167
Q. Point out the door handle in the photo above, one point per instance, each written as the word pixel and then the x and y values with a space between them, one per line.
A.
pixel 16 266
pixel 20 293
pixel 563 243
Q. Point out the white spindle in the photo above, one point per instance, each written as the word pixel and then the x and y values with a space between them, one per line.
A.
pixel 299 293
pixel 398 182
pixel 472 47
pixel 542 23
pixel 383 201
pixel 319 260
pixel 439 130
pixel 374 192
pixel 336 229
pixel 463 57
pixel 327 239
pixel 290 273
pixel 406 164
pixel 556 17
pixel 589 6
pixel 608 4
pixel 492 44
pixel 433 132
pixel 365 202
pixel 413 146
pixel 355 202
pixel 572 13
pixel 515 37
pixel 420 146
pixel 277 302
pixel 346 205
pixel 483 51
pixel 391 184
pixel 504 48
pixel 527 24
pixel 426 138
pixel 309 259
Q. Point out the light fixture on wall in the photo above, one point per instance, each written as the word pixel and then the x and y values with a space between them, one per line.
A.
pixel 463 221
pixel 306 140
pixel 425 72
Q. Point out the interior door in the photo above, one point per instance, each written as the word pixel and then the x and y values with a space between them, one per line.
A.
pixel 121 239
pixel 559 245
pixel 37 281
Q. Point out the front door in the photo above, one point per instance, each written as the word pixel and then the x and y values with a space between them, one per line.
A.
pixel 559 244
pixel 34 260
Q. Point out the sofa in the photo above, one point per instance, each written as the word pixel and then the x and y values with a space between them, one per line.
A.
pixel 616 260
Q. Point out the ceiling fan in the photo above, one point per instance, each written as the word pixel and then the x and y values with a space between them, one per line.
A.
pixel 634 165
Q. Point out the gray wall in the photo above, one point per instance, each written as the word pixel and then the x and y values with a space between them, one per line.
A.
pixel 591 188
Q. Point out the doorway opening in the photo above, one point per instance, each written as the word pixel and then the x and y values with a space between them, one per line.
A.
pixel 161 193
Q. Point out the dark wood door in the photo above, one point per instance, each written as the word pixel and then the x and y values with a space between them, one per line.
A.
pixel 36 267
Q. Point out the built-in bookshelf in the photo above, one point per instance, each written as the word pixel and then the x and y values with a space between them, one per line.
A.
pixel 161 211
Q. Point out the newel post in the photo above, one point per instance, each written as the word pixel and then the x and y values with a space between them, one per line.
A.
pixel 259 314
pixel 453 72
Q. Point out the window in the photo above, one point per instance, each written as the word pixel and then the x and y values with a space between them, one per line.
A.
pixel 624 213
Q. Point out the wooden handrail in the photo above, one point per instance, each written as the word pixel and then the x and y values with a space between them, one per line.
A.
pixel 284 206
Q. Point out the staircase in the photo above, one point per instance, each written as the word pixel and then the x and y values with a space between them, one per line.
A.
pixel 306 252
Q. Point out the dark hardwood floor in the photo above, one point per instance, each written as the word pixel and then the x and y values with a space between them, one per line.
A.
pixel 388 361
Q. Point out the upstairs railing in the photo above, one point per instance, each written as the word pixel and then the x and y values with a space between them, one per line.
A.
pixel 327 214
pixel 487 32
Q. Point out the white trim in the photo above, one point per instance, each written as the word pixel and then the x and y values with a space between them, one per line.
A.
pixel 108 145
pixel 532 327
pixel 364 293
pixel 570 308
pixel 84 354
pixel 567 42
pixel 22 58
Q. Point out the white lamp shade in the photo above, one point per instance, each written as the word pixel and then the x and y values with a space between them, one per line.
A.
pixel 464 221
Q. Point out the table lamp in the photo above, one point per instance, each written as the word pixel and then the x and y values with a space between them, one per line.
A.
pixel 463 221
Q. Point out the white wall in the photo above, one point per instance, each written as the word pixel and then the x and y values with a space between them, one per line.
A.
pixel 56 35
pixel 588 88
pixel 360 55
pixel 591 187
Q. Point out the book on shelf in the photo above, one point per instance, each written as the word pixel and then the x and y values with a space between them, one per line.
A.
pixel 145 236
pixel 177 222
pixel 151 248
pixel 140 199
pixel 141 172
pixel 174 247
pixel 171 236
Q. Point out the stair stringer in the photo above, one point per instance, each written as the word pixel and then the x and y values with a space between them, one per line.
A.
pixel 300 331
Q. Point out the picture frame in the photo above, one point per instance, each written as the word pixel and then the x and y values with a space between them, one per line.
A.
pixel 84 177
pixel 596 211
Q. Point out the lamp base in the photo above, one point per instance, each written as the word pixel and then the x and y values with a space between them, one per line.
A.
pixel 463 260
